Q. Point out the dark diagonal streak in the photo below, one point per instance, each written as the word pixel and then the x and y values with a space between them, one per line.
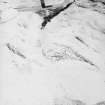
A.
pixel 15 51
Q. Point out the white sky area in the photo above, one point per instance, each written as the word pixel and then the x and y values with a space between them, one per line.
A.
pixel 28 78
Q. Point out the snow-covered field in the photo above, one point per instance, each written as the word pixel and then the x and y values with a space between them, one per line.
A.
pixel 30 77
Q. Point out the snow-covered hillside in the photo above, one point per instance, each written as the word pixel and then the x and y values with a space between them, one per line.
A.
pixel 61 64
